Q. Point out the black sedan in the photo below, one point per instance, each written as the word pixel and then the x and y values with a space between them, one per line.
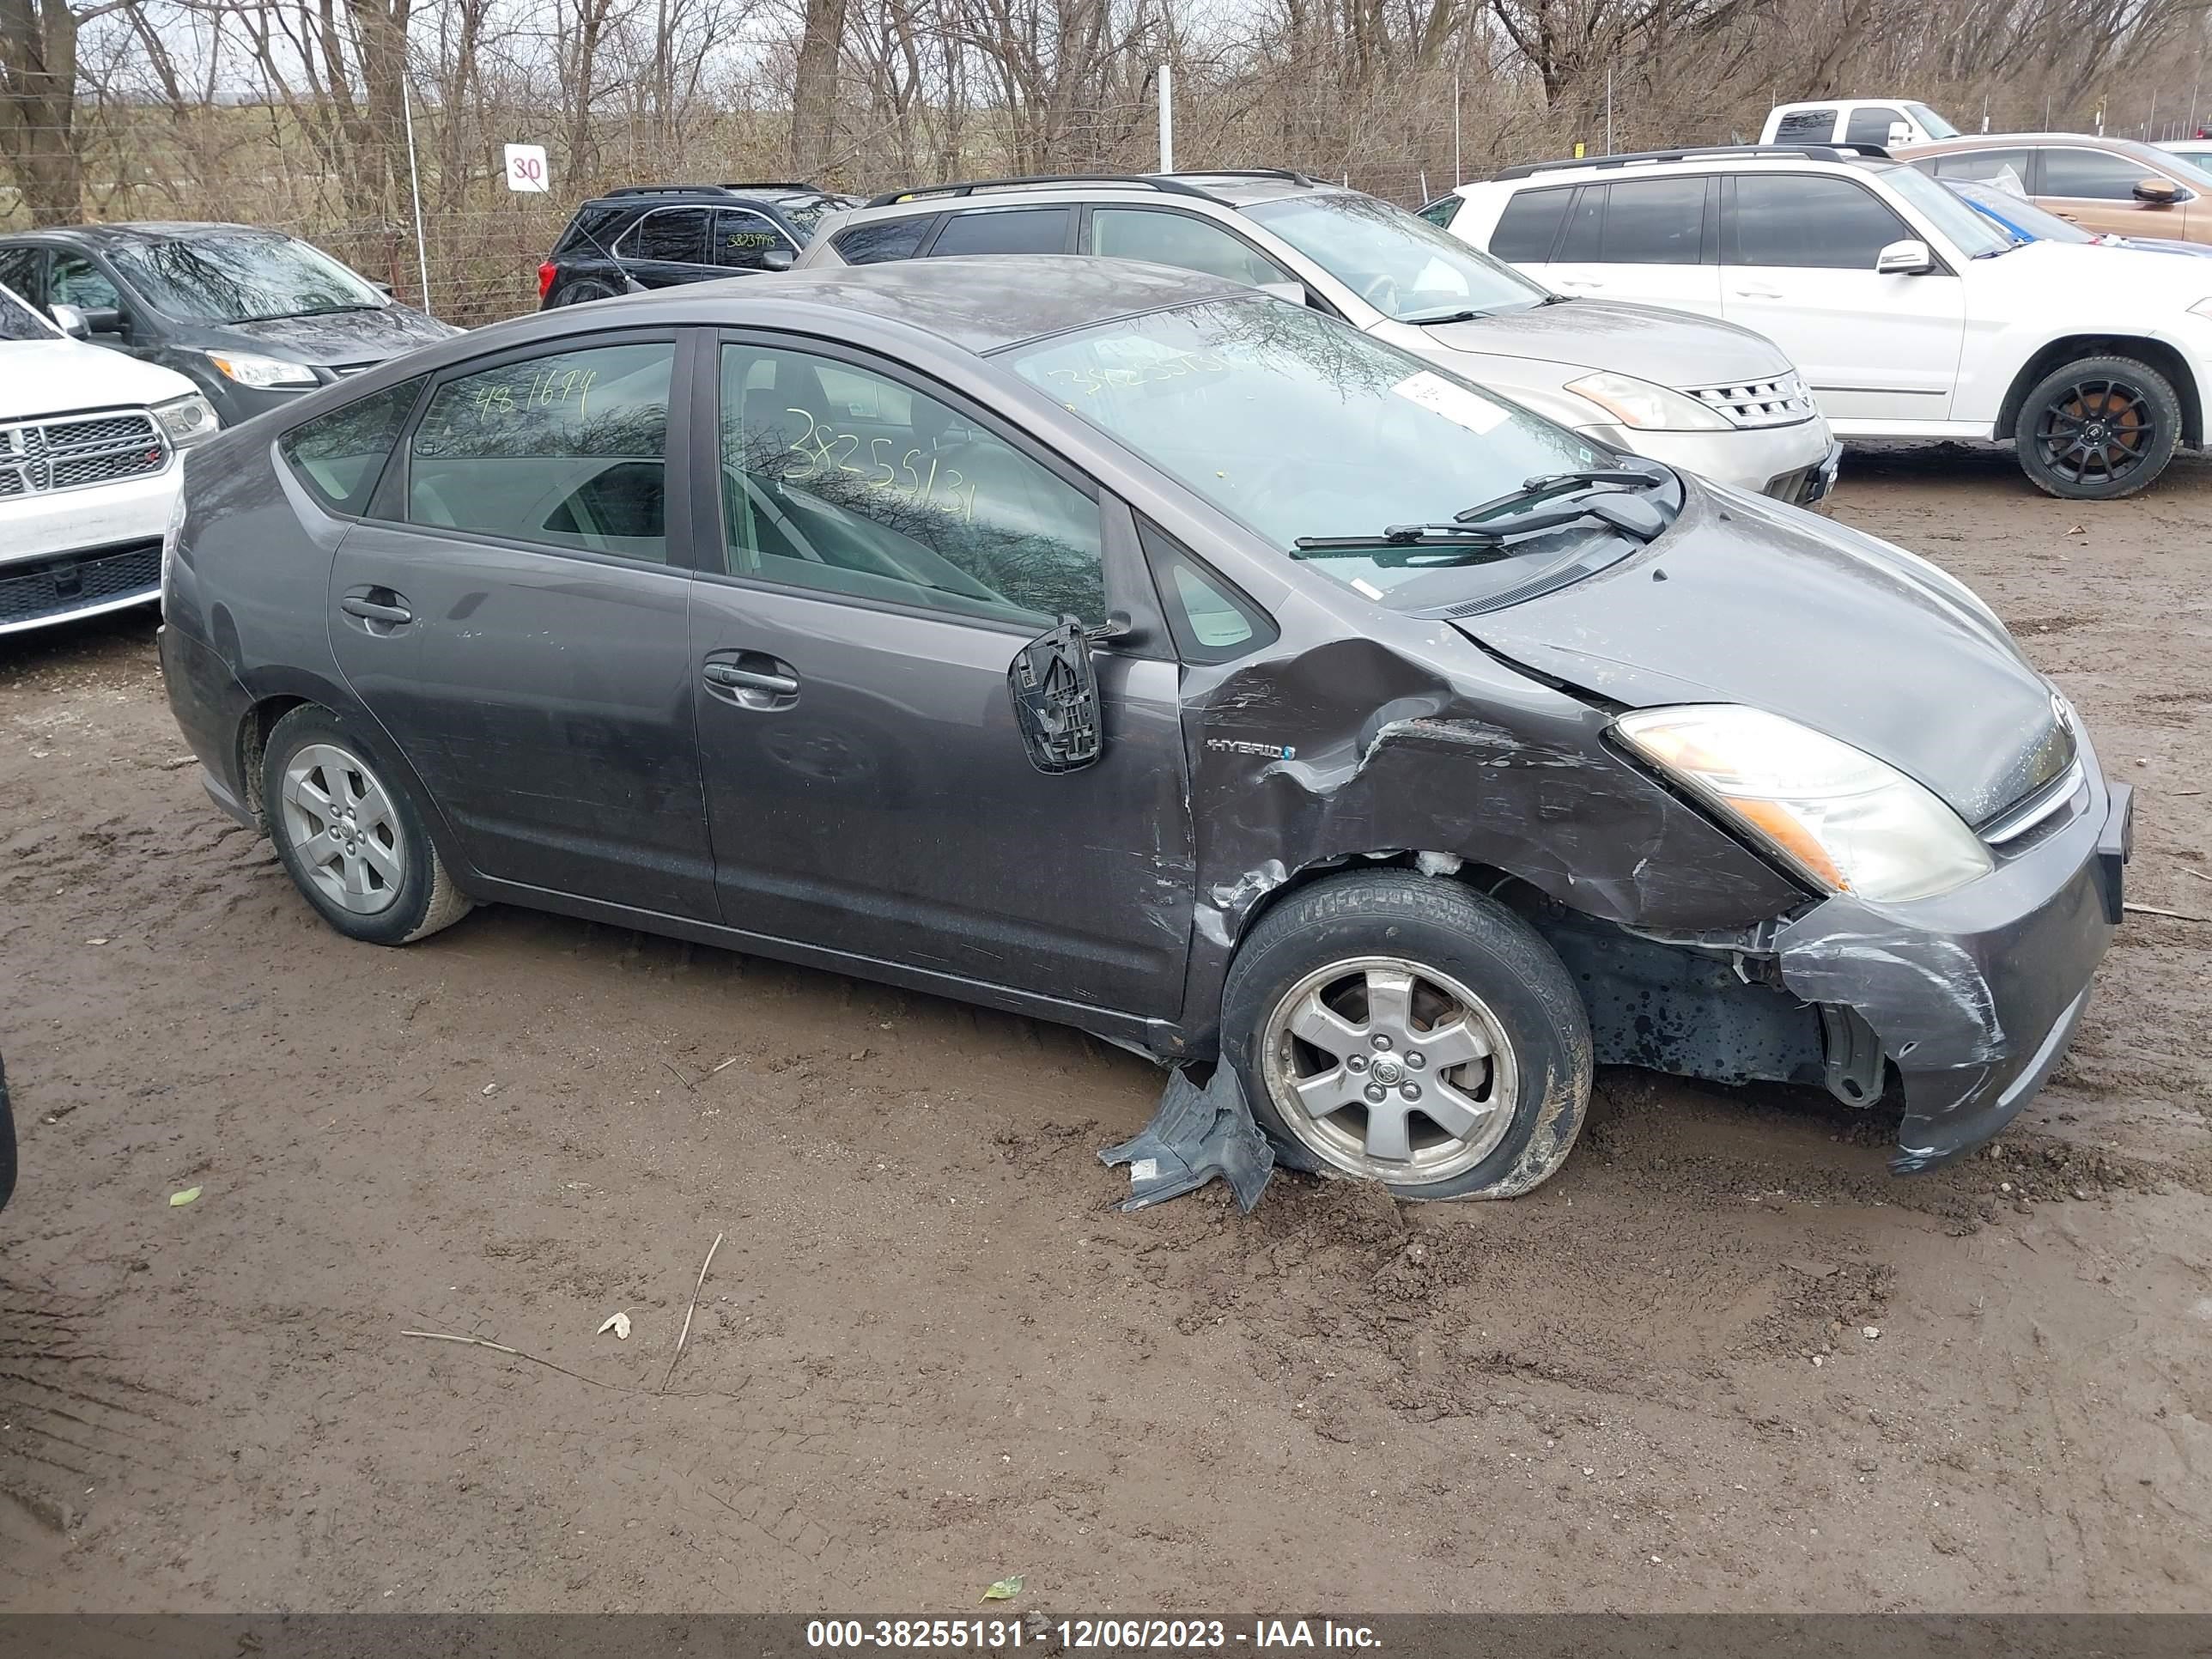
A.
pixel 252 317
pixel 1130 648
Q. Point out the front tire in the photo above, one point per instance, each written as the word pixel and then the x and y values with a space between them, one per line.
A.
pixel 348 835
pixel 2098 430
pixel 1405 1029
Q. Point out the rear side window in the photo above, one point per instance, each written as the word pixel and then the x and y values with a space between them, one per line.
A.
pixel 883 240
pixel 1871 126
pixel 1806 127
pixel 1529 225
pixel 1004 230
pixel 568 449
pixel 2005 169
pixel 1809 222
pixel 676 235
pixel 340 455
pixel 1654 221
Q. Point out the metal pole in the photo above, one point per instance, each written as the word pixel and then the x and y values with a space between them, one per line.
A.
pixel 415 190
pixel 1608 109
pixel 1459 177
pixel 1167 118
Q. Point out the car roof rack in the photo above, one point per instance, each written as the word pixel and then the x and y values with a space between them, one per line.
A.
pixel 1706 153
pixel 778 184
pixel 1290 175
pixel 709 190
pixel 1147 181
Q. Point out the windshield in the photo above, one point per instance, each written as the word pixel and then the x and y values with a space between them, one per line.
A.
pixel 247 277
pixel 1967 230
pixel 2195 171
pixel 1931 122
pixel 807 212
pixel 1297 425
pixel 1404 266
pixel 19 322
pixel 2032 220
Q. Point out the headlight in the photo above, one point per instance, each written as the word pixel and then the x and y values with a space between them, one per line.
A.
pixel 188 420
pixel 249 370
pixel 1645 406
pixel 1848 822
pixel 169 538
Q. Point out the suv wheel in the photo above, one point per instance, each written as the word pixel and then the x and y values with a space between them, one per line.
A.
pixel 1407 1030
pixel 349 838
pixel 2099 428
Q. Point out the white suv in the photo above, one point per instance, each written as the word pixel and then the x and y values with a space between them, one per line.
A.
pixel 1908 314
pixel 89 470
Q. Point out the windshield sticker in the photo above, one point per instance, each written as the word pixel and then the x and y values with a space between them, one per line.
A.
pixel 1455 403
pixel 1363 585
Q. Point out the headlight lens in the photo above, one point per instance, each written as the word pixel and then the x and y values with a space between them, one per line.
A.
pixel 187 420
pixel 169 538
pixel 1646 406
pixel 1848 822
pixel 249 370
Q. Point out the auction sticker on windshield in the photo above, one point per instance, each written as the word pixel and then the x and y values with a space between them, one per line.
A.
pixel 1455 403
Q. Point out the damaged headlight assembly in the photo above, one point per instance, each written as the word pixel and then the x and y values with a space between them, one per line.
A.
pixel 1843 820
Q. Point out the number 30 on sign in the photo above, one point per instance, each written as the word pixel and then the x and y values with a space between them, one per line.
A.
pixel 525 168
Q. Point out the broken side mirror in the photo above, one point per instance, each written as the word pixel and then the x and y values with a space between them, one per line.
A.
pixel 1054 689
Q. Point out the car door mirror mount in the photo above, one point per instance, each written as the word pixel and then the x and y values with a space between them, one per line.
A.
pixel 1907 258
pixel 1055 689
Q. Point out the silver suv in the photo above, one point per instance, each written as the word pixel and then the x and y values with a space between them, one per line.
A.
pixel 1707 395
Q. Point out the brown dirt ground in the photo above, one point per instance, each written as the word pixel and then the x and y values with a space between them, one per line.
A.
pixel 930 1353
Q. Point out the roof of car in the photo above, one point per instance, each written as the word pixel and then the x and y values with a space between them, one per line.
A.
pixel 979 304
pixel 2009 140
pixel 655 195
pixel 1234 188
pixel 149 230
pixel 1583 168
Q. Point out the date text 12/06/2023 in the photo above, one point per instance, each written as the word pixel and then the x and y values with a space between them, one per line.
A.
pixel 1089 1635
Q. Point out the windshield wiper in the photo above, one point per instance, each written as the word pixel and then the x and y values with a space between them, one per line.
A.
pixel 1427 320
pixel 1631 515
pixel 1582 481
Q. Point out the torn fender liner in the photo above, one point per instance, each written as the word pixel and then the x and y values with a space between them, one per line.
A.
pixel 1195 1136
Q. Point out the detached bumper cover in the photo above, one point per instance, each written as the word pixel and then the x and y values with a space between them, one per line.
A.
pixel 1975 995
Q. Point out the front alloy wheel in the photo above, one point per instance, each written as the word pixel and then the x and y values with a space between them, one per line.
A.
pixel 2098 430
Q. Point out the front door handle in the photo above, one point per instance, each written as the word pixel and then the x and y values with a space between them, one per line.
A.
pixel 1757 293
pixel 750 679
pixel 377 605
pixel 1579 282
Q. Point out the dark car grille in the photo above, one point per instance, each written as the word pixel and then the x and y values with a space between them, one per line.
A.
pixel 58 587
pixel 74 452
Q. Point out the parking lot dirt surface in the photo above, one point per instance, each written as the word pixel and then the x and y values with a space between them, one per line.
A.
pixel 1723 1361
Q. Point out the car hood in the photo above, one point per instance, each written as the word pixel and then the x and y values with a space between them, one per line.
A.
pixel 2167 245
pixel 59 377
pixel 2143 285
pixel 1747 601
pixel 1672 348
pixel 338 336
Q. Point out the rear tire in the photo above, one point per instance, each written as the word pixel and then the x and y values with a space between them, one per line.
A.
pixel 2097 429
pixel 1405 1029
pixel 348 836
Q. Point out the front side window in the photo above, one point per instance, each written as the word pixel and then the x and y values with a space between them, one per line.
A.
pixel 671 236
pixel 841 480
pixel 569 449
pixel 2092 175
pixel 1808 222
pixel 1402 265
pixel 248 276
pixel 744 239
pixel 1969 232
pixel 1654 221
pixel 1296 425
pixel 1180 239
pixel 1529 225
pixel 1931 122
pixel 340 455
pixel 74 280
pixel 1004 230
pixel 1871 126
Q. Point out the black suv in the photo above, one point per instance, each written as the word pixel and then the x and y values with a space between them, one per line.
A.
pixel 658 235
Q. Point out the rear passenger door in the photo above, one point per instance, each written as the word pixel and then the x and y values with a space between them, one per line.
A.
pixel 1651 241
pixel 1797 264
pixel 668 247
pixel 1009 229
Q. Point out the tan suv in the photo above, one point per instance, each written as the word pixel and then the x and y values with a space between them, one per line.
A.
pixel 2110 186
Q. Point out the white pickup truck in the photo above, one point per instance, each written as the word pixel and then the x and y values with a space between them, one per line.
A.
pixel 1882 123
pixel 89 468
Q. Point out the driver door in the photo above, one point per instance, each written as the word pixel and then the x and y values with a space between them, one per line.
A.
pixel 884 552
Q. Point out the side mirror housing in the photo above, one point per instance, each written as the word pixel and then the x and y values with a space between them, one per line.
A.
pixel 1055 689
pixel 1900 133
pixel 779 258
pixel 1294 292
pixel 70 321
pixel 1911 259
pixel 2158 193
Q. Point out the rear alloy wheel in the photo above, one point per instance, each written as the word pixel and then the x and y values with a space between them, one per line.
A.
pixel 2098 430
pixel 1409 1029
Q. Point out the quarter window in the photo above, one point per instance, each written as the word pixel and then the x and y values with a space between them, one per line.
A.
pixel 838 479
pixel 1441 212
pixel 1004 230
pixel 744 239
pixel 19 269
pixel 2093 175
pixel 568 449
pixel 1823 223
pixel 1180 239
pixel 1529 225
pixel 883 240
pixel 340 455
pixel 671 235
pixel 1654 221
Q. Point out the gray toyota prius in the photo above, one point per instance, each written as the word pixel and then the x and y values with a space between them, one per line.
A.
pixel 1124 646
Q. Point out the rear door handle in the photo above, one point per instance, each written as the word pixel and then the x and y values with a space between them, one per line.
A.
pixel 377 605
pixel 749 679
